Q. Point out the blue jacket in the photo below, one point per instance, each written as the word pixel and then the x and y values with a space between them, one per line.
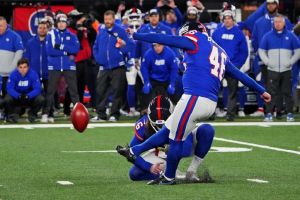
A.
pixel 159 67
pixel 106 54
pixel 11 50
pixel 29 84
pixel 142 47
pixel 35 52
pixel 263 25
pixel 174 26
pixel 279 51
pixel 63 58
pixel 233 42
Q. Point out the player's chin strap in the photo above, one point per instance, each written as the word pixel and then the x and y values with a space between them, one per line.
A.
pixel 153 124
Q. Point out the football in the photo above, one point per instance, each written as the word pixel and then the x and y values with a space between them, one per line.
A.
pixel 80 117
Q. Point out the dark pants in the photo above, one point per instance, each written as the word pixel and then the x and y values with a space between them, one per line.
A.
pixel 70 77
pixel 279 84
pixel 114 79
pixel 232 92
pixel 4 83
pixel 158 88
pixel 14 106
pixel 1 103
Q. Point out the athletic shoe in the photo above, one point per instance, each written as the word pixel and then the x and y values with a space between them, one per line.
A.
pixel 125 151
pixel 112 119
pixel 97 119
pixel 268 118
pixel 192 177
pixel 220 113
pixel 257 113
pixel 162 181
pixel 123 112
pixel 241 113
pixel 290 117
pixel 51 119
pixel 44 118
pixel 133 113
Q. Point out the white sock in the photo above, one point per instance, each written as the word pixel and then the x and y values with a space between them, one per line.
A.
pixel 132 109
pixel 131 151
pixel 196 161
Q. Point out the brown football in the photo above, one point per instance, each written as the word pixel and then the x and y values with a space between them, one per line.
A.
pixel 80 117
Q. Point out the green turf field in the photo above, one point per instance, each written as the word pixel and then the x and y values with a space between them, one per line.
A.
pixel 32 161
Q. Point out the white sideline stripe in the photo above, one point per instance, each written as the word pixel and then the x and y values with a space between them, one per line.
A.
pixel 213 150
pixel 257 145
pixel 97 125
pixel 257 180
pixel 104 151
pixel 65 183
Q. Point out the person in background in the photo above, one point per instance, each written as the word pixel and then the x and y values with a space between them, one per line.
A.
pixel 62 47
pixel 1 99
pixel 111 47
pixel 11 50
pixel 159 69
pixel 263 25
pixel 279 50
pixel 23 89
pixel 233 41
pixel 173 16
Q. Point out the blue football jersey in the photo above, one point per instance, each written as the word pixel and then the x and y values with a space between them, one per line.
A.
pixel 204 67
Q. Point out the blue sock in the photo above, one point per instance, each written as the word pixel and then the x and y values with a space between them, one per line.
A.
pixel 173 158
pixel 138 174
pixel 242 97
pixel 131 96
pixel 205 135
pixel 156 140
pixel 225 97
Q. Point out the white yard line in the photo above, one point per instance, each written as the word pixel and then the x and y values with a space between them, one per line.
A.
pixel 104 151
pixel 64 183
pixel 257 180
pixel 97 125
pixel 257 145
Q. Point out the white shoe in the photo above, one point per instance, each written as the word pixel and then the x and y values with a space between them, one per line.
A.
pixel 268 118
pixel 257 114
pixel 123 112
pixel 44 118
pixel 241 113
pixel 97 119
pixel 192 177
pixel 133 113
pixel 51 119
pixel 112 119
pixel 180 175
pixel 220 113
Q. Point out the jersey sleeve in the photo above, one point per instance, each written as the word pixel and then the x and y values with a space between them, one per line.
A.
pixel 194 39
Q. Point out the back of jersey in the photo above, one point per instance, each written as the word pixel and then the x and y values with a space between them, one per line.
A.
pixel 205 67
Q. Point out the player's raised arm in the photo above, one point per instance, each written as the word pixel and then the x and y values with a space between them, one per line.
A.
pixel 246 80
pixel 169 40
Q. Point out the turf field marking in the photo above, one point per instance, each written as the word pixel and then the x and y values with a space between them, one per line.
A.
pixel 257 145
pixel 98 125
pixel 257 180
pixel 104 151
pixel 64 183
pixel 213 150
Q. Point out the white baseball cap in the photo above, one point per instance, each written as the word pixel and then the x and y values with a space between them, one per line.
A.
pixel 273 1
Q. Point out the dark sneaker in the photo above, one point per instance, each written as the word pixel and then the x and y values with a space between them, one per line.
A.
pixel 31 118
pixel 125 151
pixel 162 181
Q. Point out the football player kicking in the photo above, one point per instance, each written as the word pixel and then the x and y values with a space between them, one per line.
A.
pixel 150 164
pixel 205 63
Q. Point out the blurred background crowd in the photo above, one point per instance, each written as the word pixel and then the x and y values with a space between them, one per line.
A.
pixel 55 54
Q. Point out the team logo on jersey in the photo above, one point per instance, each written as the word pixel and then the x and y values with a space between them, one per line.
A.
pixel 286 38
pixel 160 62
pixel 68 38
pixel 163 32
pixel 23 83
pixel 7 39
pixel 34 20
pixel 227 36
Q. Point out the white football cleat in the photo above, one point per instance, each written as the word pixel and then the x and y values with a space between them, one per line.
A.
pixel 241 113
